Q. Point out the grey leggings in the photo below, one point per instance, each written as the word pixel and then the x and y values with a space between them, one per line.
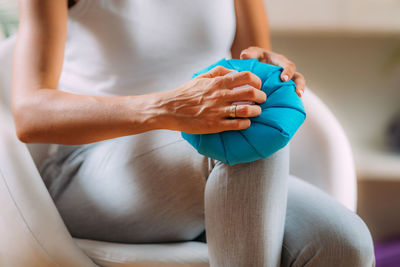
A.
pixel 154 187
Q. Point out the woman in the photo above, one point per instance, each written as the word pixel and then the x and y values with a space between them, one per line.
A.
pixel 109 80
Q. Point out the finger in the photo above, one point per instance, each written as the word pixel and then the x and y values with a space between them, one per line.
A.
pixel 215 72
pixel 300 82
pixel 289 68
pixel 252 52
pixel 242 78
pixel 235 124
pixel 246 94
pixel 245 111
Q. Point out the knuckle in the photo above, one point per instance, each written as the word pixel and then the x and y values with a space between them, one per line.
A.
pixel 199 83
pixel 235 124
pixel 251 93
pixel 220 94
pixel 291 65
pixel 253 110
pixel 289 70
pixel 247 108
pixel 300 79
pixel 217 82
pixel 219 68
pixel 243 109
pixel 246 75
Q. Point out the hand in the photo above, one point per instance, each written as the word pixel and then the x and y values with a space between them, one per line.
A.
pixel 202 105
pixel 289 68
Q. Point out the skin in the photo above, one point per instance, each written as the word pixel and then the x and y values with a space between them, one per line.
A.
pixel 43 114
pixel 252 33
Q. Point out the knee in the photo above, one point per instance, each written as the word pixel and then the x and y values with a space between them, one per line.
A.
pixel 335 244
pixel 350 244
pixel 358 244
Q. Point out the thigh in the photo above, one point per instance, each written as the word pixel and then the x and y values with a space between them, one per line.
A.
pixel 143 188
pixel 319 231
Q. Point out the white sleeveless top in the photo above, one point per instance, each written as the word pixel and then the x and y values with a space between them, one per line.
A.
pixel 131 47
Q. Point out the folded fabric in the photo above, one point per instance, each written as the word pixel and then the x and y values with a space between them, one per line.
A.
pixel 282 114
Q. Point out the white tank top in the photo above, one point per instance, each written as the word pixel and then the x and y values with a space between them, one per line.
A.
pixel 131 47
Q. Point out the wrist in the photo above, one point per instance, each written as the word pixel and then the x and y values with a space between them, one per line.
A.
pixel 162 103
pixel 148 111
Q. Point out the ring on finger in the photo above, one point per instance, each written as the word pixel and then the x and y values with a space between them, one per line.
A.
pixel 232 111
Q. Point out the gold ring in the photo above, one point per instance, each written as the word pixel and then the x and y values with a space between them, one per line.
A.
pixel 232 111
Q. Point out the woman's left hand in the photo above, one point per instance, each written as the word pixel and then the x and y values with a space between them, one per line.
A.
pixel 289 68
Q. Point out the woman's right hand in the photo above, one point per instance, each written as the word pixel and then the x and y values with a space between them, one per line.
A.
pixel 202 105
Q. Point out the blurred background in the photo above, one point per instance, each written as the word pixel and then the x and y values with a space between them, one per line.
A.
pixel 349 51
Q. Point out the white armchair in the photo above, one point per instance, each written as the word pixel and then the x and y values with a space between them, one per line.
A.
pixel 32 232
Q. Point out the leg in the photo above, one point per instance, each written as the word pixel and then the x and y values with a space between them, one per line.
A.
pixel 245 212
pixel 319 231
pixel 145 188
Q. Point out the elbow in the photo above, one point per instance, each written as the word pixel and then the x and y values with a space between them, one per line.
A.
pixel 24 123
pixel 23 134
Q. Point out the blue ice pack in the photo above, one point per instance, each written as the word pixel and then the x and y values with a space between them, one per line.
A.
pixel 282 114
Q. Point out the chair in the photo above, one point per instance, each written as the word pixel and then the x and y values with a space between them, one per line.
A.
pixel 32 232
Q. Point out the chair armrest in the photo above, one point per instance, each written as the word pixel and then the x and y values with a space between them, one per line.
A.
pixel 6 54
pixel 31 229
pixel 321 153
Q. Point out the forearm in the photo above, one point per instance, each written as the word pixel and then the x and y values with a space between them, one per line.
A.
pixel 252 27
pixel 53 116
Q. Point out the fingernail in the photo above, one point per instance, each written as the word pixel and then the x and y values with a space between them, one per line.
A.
pixel 285 78
pixel 301 93
pixel 243 54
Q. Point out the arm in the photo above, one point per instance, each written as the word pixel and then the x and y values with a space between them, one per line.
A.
pixel 252 40
pixel 252 27
pixel 46 115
